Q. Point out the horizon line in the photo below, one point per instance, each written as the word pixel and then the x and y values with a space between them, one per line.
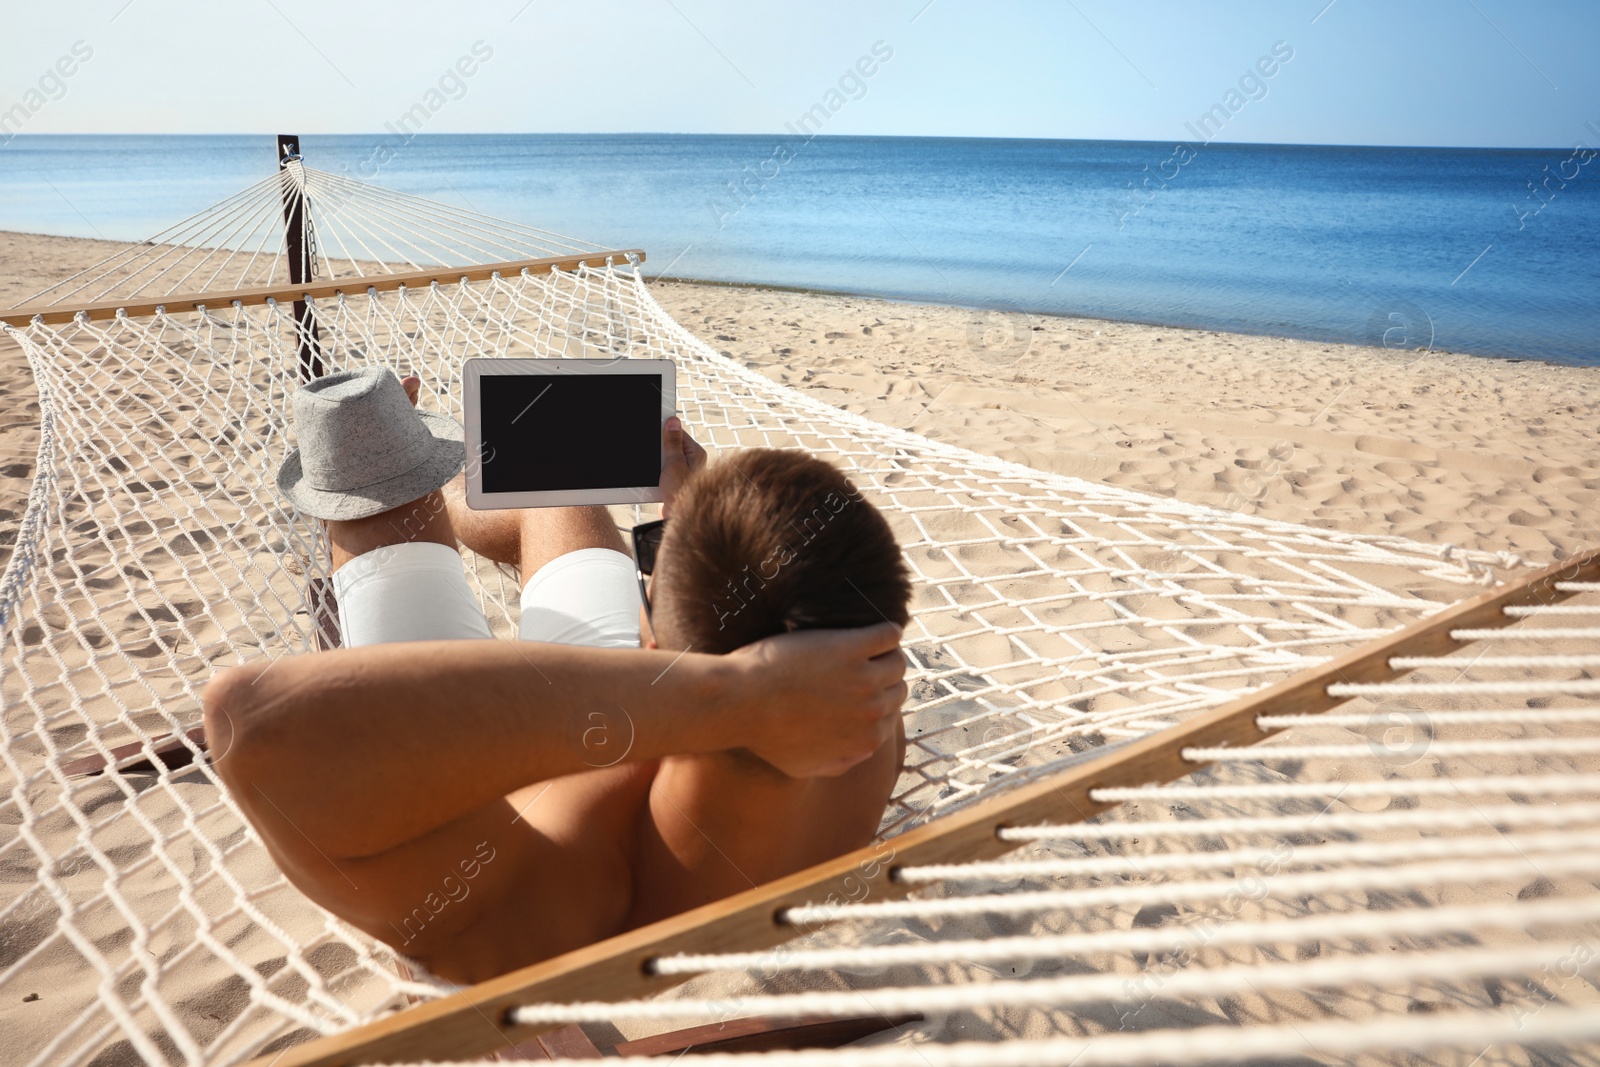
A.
pixel 782 135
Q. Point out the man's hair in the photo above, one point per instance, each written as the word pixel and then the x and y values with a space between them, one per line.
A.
pixel 766 541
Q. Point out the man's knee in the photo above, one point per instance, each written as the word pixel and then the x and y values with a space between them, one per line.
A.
pixel 549 533
pixel 228 705
pixel 417 517
pixel 426 519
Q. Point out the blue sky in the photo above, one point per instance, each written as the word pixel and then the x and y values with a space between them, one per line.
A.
pixel 1436 72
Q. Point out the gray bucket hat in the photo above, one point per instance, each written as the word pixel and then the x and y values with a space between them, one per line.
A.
pixel 363 448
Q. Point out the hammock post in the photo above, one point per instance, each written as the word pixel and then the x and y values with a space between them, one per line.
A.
pixel 297 246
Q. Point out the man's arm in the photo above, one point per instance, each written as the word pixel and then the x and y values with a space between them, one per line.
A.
pixel 363 749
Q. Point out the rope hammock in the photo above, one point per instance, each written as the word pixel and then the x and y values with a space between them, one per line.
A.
pixel 1059 626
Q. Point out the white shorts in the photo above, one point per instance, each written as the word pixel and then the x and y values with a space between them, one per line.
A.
pixel 419 592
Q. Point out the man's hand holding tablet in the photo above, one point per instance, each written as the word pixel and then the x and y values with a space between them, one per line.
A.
pixel 680 455
pixel 563 432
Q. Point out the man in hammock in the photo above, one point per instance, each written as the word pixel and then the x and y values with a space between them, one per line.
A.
pixel 481 805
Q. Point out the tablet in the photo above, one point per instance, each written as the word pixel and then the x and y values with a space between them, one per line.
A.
pixel 544 433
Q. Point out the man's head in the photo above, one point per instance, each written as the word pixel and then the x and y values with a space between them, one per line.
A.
pixel 767 541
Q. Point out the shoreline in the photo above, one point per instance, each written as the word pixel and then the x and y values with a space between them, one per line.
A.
pixel 9 299
pixel 1439 447
pixel 1236 331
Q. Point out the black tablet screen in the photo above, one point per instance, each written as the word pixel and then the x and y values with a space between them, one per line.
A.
pixel 546 432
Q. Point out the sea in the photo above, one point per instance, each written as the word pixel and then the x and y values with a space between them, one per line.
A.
pixel 1492 252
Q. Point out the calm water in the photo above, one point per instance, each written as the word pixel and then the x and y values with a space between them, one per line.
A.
pixel 1327 243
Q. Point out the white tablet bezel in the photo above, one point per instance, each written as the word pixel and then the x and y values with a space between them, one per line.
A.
pixel 476 369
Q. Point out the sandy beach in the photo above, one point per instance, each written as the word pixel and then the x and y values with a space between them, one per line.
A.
pixel 1484 453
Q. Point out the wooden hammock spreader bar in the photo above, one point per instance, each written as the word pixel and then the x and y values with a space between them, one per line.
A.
pixel 179 303
pixel 474 1022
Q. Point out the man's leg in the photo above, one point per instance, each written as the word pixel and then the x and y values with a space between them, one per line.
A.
pixel 528 538
pixel 425 520
pixel 397 575
pixel 578 580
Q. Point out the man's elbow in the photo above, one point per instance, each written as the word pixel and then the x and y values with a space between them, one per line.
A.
pixel 232 705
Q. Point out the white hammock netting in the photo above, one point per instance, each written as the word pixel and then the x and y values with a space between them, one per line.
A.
pixel 140 916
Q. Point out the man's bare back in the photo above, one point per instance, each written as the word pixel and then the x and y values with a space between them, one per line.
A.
pixel 564 863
